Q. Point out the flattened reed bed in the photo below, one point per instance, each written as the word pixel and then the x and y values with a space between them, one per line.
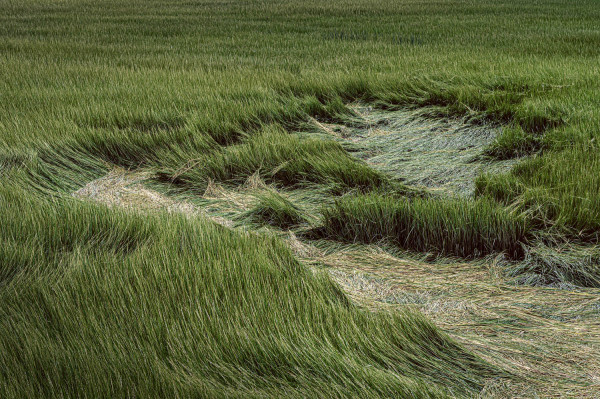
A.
pixel 441 154
pixel 566 266
pixel 547 337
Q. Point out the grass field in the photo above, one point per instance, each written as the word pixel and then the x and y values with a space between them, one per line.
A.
pixel 187 187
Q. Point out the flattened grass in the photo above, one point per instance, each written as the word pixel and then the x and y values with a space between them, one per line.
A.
pixel 564 267
pixel 274 209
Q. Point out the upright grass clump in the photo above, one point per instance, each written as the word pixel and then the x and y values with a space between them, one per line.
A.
pixel 456 227
pixel 274 209
pixel 514 142
pixel 98 302
pixel 558 191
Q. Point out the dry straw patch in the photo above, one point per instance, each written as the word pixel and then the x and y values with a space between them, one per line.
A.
pixel 302 249
pixel 234 199
pixel 124 188
pixel 549 338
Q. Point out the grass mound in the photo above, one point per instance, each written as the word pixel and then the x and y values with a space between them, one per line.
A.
pixel 92 305
pixel 448 227
pixel 274 209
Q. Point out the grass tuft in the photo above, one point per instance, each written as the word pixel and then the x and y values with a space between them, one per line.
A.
pixel 274 209
pixel 456 227
pixel 514 142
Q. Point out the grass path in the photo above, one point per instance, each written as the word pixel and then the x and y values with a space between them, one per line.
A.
pixel 549 338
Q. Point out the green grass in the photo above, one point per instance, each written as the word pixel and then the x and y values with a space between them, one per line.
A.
pixel 564 266
pixel 279 157
pixel 451 227
pixel 272 208
pixel 97 302
pixel 97 80
pixel 558 191
pixel 515 142
pixel 93 306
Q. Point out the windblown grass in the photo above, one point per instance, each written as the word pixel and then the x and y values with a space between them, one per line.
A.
pixel 92 305
pixel 558 191
pixel 279 157
pixel 451 227
pixel 105 303
pixel 274 209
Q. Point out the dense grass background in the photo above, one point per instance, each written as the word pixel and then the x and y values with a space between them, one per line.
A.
pixel 131 81
pixel 96 301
